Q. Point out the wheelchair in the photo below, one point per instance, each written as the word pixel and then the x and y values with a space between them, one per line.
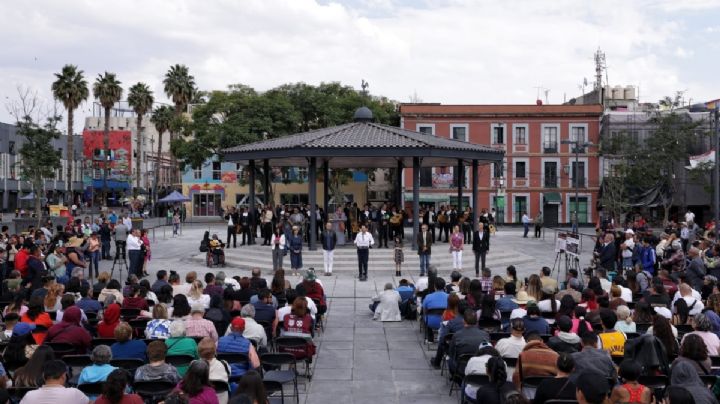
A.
pixel 214 259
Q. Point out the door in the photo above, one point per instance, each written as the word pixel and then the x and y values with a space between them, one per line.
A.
pixel 550 215
pixel 499 205
pixel 582 209
pixel 519 207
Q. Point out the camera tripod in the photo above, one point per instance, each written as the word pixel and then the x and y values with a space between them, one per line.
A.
pixel 570 261
pixel 120 259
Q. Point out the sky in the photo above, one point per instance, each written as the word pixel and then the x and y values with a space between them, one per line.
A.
pixel 451 52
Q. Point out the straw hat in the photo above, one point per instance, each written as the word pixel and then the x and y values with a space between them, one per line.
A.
pixel 74 242
pixel 522 297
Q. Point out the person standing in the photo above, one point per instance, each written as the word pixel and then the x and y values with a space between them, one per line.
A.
pixel 245 227
pixel 456 247
pixel 399 256
pixel 134 246
pixel 538 224
pixel 383 229
pixel 232 221
pixel 267 219
pixel 121 234
pixel 105 237
pixel 481 246
pixel 526 224
pixel 443 222
pixel 329 240
pixel 93 251
pixel 279 247
pixel 295 243
pixel 424 246
pixel 363 241
pixel 176 224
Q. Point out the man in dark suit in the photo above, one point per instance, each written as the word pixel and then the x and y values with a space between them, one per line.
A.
pixel 608 254
pixel 383 219
pixel 233 219
pixel 424 244
pixel 481 245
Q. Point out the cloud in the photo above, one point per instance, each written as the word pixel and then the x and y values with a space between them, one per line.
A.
pixel 452 52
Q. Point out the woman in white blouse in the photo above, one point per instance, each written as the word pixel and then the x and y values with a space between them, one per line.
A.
pixel 196 295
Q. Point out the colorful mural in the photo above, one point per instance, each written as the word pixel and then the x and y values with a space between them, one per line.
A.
pixel 120 175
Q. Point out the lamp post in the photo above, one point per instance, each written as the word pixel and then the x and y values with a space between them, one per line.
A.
pixel 577 144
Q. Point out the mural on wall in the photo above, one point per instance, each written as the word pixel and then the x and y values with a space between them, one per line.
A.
pixel 229 177
pixel 120 174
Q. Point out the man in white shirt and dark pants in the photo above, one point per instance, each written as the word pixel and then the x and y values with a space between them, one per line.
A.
pixel 363 241
pixel 134 251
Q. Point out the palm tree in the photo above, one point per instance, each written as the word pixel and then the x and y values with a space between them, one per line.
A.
pixel 161 118
pixel 71 89
pixel 107 89
pixel 180 87
pixel 141 99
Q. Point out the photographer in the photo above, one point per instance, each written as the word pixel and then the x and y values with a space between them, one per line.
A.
pixel 121 234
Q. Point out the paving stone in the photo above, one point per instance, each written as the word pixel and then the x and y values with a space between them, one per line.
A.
pixel 336 345
pixel 373 387
pixel 333 374
pixel 335 359
pixel 337 334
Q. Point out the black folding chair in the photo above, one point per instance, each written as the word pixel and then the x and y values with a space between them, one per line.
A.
pixel 475 380
pixel 61 348
pixel 273 363
pixel 490 325
pixel 530 384
pixel 128 364
pixel 129 314
pixel 510 362
pixel 446 343
pixel 234 358
pixel 17 393
pixel 179 360
pixel 153 390
pixel 458 374
pixel 91 389
pixel 709 380
pixel 75 364
pixel 294 345
pixel 220 386
pixel 272 387
pixel 103 341
pixel 497 336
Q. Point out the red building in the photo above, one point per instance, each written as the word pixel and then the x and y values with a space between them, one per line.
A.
pixel 538 171
pixel 119 176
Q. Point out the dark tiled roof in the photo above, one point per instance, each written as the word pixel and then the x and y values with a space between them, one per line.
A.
pixel 361 135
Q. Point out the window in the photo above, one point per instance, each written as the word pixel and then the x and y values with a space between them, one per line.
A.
pixel 216 174
pixel 197 173
pixel 519 169
pixel 578 135
pixel 550 139
pixel 11 147
pixel 499 134
pixel 497 170
pixel 578 174
pixel 302 174
pixel 550 174
pixel 520 135
pixel 582 209
pixel 459 133
pixel 426 129
pixel 426 176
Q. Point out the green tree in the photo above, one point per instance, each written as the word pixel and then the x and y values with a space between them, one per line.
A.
pixel 71 89
pixel 161 118
pixel 141 99
pixel 179 85
pixel 39 159
pixel 108 91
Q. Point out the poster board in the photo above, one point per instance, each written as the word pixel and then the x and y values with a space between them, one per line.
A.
pixel 572 244
pixel 560 242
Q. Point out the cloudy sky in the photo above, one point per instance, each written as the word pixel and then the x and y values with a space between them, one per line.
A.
pixel 456 51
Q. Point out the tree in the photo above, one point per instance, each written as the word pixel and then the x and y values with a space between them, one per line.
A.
pixel 71 89
pixel 162 118
pixel 39 159
pixel 108 91
pixel 179 85
pixel 141 99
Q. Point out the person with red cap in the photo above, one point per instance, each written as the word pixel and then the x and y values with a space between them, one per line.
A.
pixel 236 343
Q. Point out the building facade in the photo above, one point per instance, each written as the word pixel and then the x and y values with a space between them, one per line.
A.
pixel 218 184
pixel 12 187
pixel 539 173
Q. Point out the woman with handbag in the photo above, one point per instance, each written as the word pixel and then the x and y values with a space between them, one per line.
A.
pixel 295 246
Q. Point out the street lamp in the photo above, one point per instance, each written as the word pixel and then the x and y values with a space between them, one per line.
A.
pixel 577 144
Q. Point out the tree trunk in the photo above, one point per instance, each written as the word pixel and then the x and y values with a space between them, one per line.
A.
pixel 158 167
pixel 138 157
pixel 173 160
pixel 106 155
pixel 70 158
pixel 39 193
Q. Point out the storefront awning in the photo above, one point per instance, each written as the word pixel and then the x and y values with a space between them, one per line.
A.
pixel 552 198
pixel 408 196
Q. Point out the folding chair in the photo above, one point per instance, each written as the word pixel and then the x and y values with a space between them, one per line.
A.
pixel 91 389
pixel 103 341
pixel 297 346
pixel 530 384
pixel 475 380
pixel 656 383
pixel 75 364
pixel 128 364
pixel 153 390
pixel 220 386
pixel 709 380
pixel 273 363
pixel 443 361
pixel 489 325
pixel 129 314
pixel 319 324
pixel 61 348
pixel 179 360
pixel 17 393
pixel 272 387
pixel 457 376
pixel 234 358
pixel 497 336
pixel 434 315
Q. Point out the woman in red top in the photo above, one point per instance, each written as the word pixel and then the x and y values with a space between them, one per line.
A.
pixel 36 315
pixel 70 331
pixel 114 390
pixel 111 319
pixel 452 307
pixel 631 391
pixel 299 324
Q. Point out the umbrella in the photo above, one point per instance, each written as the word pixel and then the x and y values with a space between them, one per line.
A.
pixel 174 197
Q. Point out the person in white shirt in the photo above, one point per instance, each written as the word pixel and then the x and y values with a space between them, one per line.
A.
pixel 127 221
pixel 689 217
pixel 511 346
pixel 253 330
pixel 363 241
pixel 134 253
pixel 627 249
pixel 526 224
pixel 695 305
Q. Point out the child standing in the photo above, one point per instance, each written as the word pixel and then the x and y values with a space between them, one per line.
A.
pixel 399 256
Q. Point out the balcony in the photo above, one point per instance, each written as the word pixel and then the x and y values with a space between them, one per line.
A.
pixel 579 181
pixel 550 147
pixel 550 182
pixel 577 150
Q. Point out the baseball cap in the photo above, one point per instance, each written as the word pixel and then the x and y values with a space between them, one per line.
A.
pixel 238 322
pixel 663 311
pixel 531 304
pixel 310 275
pixel 21 329
pixel 593 385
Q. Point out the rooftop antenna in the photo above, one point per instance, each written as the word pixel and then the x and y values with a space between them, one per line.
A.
pixel 538 88
pixel 599 67
pixel 547 91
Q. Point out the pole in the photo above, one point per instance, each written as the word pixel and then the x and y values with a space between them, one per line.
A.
pixel 398 184
pixel 460 176
pixel 251 200
pixel 716 170
pixel 326 188
pixel 416 200
pixel 577 184
pixel 266 182
pixel 312 198
pixel 474 194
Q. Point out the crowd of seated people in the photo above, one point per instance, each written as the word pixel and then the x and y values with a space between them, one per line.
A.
pixel 149 324
pixel 600 336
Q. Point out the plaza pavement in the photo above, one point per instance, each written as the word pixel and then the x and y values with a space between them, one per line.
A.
pixel 358 360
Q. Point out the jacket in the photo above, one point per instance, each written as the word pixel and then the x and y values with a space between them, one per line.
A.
pixel 333 240
pixel 481 246
pixel 564 342
pixel 235 343
pixel 111 319
pixel 389 307
pixel 648 258
pixel 536 359
pixel 69 331
pixel 608 255
pixel 649 352
pixel 426 246
pixel 695 273
pixel 685 375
